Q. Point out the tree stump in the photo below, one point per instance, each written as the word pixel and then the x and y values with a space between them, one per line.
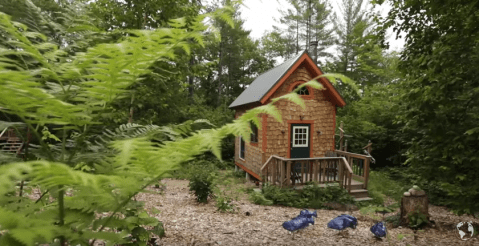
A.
pixel 413 203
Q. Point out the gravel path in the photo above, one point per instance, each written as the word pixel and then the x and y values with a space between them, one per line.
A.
pixel 189 223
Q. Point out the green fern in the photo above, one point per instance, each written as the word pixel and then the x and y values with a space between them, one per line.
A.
pixel 48 86
pixel 333 77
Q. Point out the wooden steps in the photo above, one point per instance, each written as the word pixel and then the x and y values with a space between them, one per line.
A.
pixel 13 145
pixel 363 199
pixel 360 195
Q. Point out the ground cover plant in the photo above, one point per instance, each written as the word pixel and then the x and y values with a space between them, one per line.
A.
pixel 202 179
pixel 311 196
pixel 381 185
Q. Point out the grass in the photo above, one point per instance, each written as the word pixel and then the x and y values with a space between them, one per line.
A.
pixel 231 184
pixel 381 186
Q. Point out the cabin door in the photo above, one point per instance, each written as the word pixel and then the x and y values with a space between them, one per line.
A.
pixel 300 144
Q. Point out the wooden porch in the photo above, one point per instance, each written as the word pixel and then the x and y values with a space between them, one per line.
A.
pixel 348 170
pixel 10 142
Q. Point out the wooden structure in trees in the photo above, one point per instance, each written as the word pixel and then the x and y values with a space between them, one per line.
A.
pixel 294 151
pixel 10 142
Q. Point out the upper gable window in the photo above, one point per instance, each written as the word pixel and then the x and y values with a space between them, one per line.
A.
pixel 305 92
pixel 302 91
pixel 254 134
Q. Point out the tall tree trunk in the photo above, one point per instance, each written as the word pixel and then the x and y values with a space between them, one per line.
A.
pixel 308 27
pixel 228 84
pixel 297 33
pixel 191 79
pixel 220 72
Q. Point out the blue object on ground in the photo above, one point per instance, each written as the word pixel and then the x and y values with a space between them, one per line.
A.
pixel 298 223
pixel 379 229
pixel 342 222
pixel 308 213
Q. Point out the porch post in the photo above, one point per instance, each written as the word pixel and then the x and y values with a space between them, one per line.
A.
pixel 341 136
pixel 366 172
pixel 288 173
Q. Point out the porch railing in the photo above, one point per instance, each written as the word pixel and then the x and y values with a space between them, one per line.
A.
pixel 359 164
pixel 287 172
pixel 7 133
pixel 2 133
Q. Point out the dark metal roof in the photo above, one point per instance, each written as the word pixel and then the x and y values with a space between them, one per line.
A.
pixel 263 83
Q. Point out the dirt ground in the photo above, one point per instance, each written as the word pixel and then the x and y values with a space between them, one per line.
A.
pixel 190 223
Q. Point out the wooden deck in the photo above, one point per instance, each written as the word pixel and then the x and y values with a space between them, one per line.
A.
pixel 347 170
pixel 354 183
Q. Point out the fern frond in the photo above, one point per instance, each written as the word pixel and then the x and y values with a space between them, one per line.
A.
pixel 28 231
pixel 313 84
pixel 333 77
pixel 50 174
pixel 292 97
pixel 6 124
pixel 7 157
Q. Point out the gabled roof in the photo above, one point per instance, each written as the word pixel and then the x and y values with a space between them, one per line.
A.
pixel 266 84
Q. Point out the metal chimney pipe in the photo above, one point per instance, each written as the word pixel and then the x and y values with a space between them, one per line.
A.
pixel 314 46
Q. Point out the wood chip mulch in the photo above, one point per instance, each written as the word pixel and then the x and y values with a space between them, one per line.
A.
pixel 190 223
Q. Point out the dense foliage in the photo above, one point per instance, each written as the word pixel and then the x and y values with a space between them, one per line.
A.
pixel 439 103
pixel 201 179
pixel 88 173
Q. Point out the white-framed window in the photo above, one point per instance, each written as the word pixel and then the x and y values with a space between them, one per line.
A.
pixel 242 148
pixel 254 134
pixel 302 91
pixel 300 136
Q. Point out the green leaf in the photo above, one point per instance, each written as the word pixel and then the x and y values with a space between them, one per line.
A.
pixel 159 230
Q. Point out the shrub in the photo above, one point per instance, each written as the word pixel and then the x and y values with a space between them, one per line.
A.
pixel 317 195
pixel 417 219
pixel 258 198
pixel 201 178
pixel 222 165
pixel 224 204
pixel 312 196
pixel 249 190
pixel 372 210
pixel 239 174
pixel 187 168
pixel 394 220
pixel 279 196
pixel 137 222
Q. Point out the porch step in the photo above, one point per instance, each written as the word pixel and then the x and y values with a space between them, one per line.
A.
pixel 359 193
pixel 362 199
pixel 11 146
pixel 356 186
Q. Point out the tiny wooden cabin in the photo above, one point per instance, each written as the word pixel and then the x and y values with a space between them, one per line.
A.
pixel 304 135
